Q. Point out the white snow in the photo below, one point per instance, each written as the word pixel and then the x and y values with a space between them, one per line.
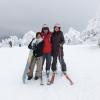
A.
pixel 83 67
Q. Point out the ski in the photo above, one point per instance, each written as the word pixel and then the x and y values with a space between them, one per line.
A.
pixel 51 81
pixel 53 78
pixel 67 77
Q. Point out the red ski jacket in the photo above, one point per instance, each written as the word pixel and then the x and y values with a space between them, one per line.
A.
pixel 47 42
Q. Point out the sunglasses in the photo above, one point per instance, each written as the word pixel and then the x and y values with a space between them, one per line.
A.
pixel 45 28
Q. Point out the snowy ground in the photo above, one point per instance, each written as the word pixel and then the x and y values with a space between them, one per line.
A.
pixel 83 67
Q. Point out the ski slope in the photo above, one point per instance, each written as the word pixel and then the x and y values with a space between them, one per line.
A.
pixel 83 66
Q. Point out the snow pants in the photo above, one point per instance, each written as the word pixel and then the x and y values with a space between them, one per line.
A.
pixel 62 63
pixel 38 61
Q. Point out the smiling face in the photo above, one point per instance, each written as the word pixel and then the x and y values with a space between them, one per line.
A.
pixel 38 36
pixel 56 29
pixel 45 30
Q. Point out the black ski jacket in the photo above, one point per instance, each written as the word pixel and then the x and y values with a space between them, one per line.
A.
pixel 57 40
pixel 37 48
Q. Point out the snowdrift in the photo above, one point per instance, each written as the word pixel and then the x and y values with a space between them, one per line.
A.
pixel 83 67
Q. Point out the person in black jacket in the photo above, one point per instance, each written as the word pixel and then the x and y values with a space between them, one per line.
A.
pixel 37 46
pixel 57 40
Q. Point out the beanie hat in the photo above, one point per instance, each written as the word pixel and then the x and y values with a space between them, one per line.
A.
pixel 44 25
pixel 57 25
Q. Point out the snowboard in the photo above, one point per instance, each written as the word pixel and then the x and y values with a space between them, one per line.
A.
pixel 24 77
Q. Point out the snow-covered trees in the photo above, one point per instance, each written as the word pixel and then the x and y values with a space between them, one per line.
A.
pixel 28 37
pixel 73 37
pixel 15 41
pixel 92 32
pixel 11 41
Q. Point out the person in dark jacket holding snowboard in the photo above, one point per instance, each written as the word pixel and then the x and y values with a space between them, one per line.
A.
pixel 37 46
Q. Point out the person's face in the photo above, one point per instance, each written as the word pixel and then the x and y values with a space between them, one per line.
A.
pixel 38 36
pixel 56 29
pixel 45 31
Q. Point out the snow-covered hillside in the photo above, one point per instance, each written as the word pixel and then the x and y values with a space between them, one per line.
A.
pixel 83 67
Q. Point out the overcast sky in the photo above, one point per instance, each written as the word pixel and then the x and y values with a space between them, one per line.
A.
pixel 20 16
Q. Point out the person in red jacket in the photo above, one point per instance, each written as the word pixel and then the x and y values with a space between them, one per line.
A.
pixel 46 35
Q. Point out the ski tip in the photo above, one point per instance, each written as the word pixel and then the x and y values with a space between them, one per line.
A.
pixel 49 83
pixel 71 83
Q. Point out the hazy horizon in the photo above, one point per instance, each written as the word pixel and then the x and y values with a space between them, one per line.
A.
pixel 21 16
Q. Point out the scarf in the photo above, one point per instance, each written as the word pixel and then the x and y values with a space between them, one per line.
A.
pixel 37 41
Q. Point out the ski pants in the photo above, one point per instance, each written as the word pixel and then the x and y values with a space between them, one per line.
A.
pixel 47 56
pixel 62 63
pixel 38 61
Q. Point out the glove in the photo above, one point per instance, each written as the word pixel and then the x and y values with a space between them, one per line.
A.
pixel 61 45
